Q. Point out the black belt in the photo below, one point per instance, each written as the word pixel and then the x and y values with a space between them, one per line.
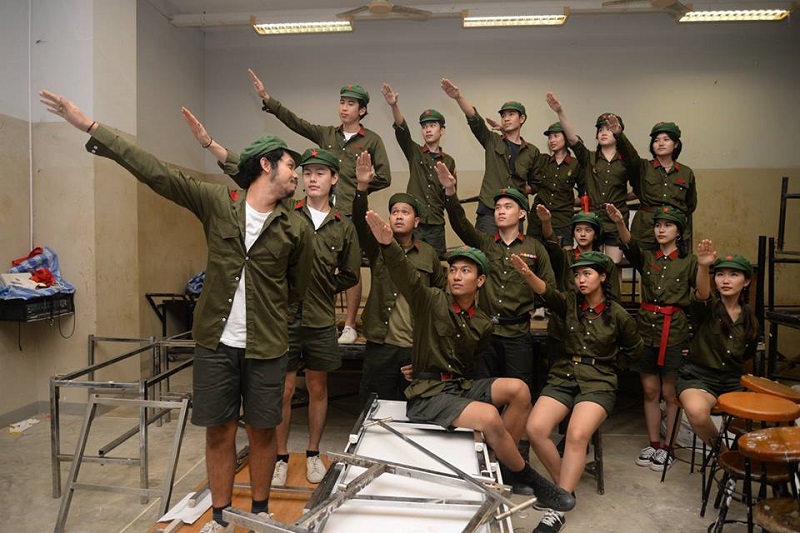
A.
pixel 583 359
pixel 508 320
pixel 436 376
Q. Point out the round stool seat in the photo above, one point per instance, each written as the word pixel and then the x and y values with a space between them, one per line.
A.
pixel 758 406
pixel 733 462
pixel 775 445
pixel 767 386
pixel 778 515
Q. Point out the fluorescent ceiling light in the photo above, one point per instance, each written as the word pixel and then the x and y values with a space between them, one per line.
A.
pixel 288 28
pixel 522 20
pixel 735 15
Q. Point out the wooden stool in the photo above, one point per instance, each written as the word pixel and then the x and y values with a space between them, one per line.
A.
pixel 767 386
pixel 778 515
pixel 778 446
pixel 755 406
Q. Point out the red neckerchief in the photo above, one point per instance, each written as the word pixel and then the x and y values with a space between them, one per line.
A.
pixel 459 311
pixel 671 256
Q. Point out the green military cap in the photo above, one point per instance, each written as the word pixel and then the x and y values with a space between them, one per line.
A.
pixel 736 262
pixel 515 194
pixel 355 91
pixel 582 217
pixel 321 157
pixel 431 115
pixel 673 214
pixel 471 254
pixel 603 119
pixel 406 198
pixel 666 127
pixel 265 145
pixel 511 105
pixel 596 260
pixel 555 127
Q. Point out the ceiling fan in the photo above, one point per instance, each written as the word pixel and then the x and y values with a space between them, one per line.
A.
pixel 380 8
pixel 672 7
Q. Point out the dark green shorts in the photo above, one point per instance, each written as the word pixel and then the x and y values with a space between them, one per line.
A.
pixel 570 394
pixel 448 405
pixel 224 382
pixel 707 379
pixel 673 360
pixel 315 348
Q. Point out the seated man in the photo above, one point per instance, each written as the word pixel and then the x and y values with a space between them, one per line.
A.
pixel 449 331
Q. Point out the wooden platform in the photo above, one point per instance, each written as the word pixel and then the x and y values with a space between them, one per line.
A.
pixel 286 506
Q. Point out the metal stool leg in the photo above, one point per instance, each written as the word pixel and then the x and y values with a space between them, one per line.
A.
pixel 597 444
pixel 671 446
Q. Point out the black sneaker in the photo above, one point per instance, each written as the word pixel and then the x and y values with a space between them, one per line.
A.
pixel 549 495
pixel 552 522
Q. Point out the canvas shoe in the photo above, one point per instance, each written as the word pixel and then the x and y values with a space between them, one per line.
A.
pixel 659 458
pixel 646 456
pixel 315 469
pixel 552 522
pixel 348 335
pixel 279 475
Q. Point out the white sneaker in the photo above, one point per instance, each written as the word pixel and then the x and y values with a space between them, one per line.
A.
pixel 646 456
pixel 212 526
pixel 552 522
pixel 279 475
pixel 659 458
pixel 315 469
pixel 348 335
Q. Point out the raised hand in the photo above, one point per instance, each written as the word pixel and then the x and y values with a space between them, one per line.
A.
pixel 706 253
pixel 613 124
pixel 447 179
pixel 520 265
pixel 380 229
pixel 64 108
pixel 389 94
pixel 494 124
pixel 543 213
pixel 258 86
pixel 364 171
pixel 613 213
pixel 450 89
pixel 553 102
pixel 198 130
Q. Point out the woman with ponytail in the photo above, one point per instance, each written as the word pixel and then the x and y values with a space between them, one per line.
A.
pixel 726 335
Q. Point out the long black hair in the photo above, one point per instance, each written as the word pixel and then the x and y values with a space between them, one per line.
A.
pixel 251 168
pixel 748 317
pixel 608 295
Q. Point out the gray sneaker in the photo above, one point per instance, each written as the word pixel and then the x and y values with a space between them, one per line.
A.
pixel 646 456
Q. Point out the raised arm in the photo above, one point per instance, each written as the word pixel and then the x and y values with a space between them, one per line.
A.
pixel 455 211
pixel 202 136
pixel 706 254
pixel 64 108
pixel 617 218
pixel 298 125
pixel 364 176
pixel 452 90
pixel 556 106
pixel 546 218
pixel 391 97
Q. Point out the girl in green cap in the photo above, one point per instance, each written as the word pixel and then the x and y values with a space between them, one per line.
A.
pixel 668 275
pixel 599 336
pixel 726 334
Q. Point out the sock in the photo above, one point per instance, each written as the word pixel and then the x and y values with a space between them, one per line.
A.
pixel 218 515
pixel 310 453
pixel 656 445
pixel 284 458
pixel 259 506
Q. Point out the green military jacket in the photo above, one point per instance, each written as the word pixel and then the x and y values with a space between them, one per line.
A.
pixel 383 292
pixel 711 347
pixel 423 183
pixel 606 182
pixel 666 280
pixel 555 189
pixel 332 139
pixel 336 266
pixel 497 156
pixel 446 338
pixel 277 265
pixel 612 343
pixel 505 294
pixel 655 187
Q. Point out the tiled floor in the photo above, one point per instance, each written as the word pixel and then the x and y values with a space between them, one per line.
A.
pixel 634 499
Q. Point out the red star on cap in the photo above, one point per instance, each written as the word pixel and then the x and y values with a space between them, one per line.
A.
pixel 665 209
pixel 427 111
pixel 314 153
pixel 729 257
pixel 349 85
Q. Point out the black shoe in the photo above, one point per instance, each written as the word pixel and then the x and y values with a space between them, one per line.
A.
pixel 518 486
pixel 552 522
pixel 550 496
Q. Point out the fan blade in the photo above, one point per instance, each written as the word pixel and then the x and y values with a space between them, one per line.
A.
pixel 609 3
pixel 351 12
pixel 662 4
pixel 411 11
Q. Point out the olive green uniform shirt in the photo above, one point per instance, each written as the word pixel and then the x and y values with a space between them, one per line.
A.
pixel 666 280
pixel 497 157
pixel 446 338
pixel 555 189
pixel 332 139
pixel 423 183
pixel 606 182
pixel 711 347
pixel 506 293
pixel 336 266
pixel 613 345
pixel 277 266
pixel 654 187
pixel 562 260
pixel 383 293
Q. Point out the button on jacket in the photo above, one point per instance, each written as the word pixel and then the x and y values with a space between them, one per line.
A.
pixel 277 265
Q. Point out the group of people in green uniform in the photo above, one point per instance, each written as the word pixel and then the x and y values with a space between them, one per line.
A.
pixel 452 340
